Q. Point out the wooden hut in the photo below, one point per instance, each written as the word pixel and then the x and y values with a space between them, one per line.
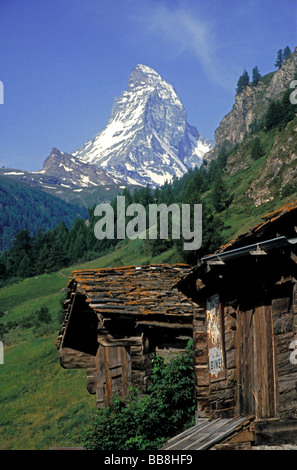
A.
pixel 245 328
pixel 115 318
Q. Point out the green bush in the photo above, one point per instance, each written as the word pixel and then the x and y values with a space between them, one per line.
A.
pixel 289 189
pixel 146 422
pixel 40 321
pixel 257 149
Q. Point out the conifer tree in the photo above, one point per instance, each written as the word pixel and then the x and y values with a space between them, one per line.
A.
pixel 274 115
pixel 192 193
pixel 25 267
pixel 219 193
pixel 289 109
pixel 257 150
pixel 256 76
pixel 79 248
pixel 41 261
pixel 287 52
pixel 222 158
pixel 243 81
pixel 20 248
pixel 279 59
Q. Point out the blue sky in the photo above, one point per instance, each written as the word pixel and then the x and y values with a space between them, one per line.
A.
pixel 62 62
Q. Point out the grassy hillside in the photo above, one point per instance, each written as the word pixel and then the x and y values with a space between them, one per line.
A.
pixel 42 404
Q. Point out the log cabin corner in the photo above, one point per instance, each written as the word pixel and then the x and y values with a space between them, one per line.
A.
pixel 115 318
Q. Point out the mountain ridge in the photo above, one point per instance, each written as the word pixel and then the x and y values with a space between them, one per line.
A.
pixel 147 141
pixel 69 179
pixel 147 138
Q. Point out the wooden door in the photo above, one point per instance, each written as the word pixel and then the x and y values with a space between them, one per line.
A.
pixel 256 368
pixel 113 373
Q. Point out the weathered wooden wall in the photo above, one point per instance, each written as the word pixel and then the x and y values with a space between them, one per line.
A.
pixel 259 378
pixel 258 297
pixel 284 312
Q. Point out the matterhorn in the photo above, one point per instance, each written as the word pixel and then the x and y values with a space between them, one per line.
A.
pixel 147 140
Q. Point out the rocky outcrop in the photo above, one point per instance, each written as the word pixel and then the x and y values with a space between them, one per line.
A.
pixel 250 104
pixel 280 167
pixel 71 172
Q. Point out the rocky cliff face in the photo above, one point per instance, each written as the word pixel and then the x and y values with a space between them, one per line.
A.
pixel 147 139
pixel 279 170
pixel 71 172
pixel 251 103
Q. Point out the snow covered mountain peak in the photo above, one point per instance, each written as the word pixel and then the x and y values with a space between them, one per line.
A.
pixel 147 139
pixel 143 76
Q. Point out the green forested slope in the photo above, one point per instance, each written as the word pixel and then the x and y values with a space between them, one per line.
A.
pixel 24 207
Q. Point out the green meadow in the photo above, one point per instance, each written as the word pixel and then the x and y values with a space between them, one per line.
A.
pixel 42 404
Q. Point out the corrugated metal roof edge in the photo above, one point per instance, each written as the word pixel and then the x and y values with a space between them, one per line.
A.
pixel 267 219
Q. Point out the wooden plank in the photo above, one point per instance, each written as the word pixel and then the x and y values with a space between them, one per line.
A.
pixel 264 362
pixel 249 385
pixel 209 433
pixel 252 360
pixel 258 365
pixel 179 442
pixel 263 371
pixel 217 432
pixel 126 366
pixel 275 372
pixel 196 441
pixel 100 366
pixel 234 446
pixel 238 363
pixel 108 386
pixel 187 432
pixel 227 430
pixel 264 374
pixel 110 341
pixel 246 378
pixel 270 371
pixel 293 257
pixel 179 326
pixel 243 436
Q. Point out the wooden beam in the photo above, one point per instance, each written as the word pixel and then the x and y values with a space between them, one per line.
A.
pixel 109 341
pixel 293 257
pixel 166 325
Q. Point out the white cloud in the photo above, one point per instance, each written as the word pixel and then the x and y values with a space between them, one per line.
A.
pixel 187 32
